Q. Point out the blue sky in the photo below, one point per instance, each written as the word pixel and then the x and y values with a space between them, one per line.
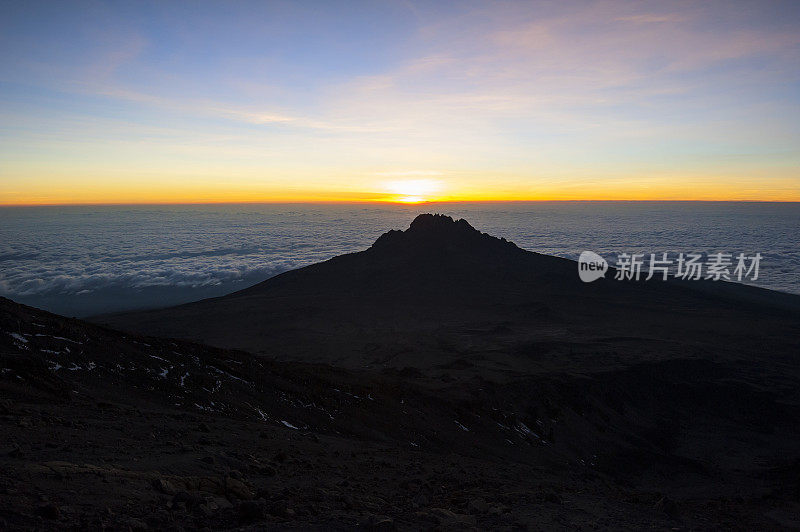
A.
pixel 229 101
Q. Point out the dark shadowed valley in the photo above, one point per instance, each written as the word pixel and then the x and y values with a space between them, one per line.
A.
pixel 441 379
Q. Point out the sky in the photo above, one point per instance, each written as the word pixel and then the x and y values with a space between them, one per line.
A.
pixel 160 102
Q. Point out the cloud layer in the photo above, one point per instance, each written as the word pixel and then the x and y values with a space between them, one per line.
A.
pixel 85 260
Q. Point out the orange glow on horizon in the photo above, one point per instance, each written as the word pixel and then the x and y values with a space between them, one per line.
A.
pixel 470 188
pixel 397 200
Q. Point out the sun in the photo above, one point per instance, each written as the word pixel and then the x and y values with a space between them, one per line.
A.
pixel 413 190
pixel 409 199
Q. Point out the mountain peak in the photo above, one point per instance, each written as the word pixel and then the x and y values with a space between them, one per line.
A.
pixel 436 232
pixel 439 223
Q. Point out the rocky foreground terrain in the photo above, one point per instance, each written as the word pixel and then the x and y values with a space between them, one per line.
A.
pixel 443 379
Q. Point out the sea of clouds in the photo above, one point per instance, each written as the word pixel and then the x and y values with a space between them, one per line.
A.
pixel 85 260
pixel 89 260
pixel 59 270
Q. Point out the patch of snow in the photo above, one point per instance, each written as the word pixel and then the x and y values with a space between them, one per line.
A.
pixel 523 429
pixel 221 372
pixel 158 358
pixel 462 427
pixel 61 338
pixel 314 405
pixel 289 425
pixel 50 351
pixel 184 377
pixel 56 366
pixel 19 337
pixel 163 373
pixel 74 367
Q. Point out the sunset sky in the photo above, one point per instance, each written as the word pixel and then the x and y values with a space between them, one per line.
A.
pixel 117 102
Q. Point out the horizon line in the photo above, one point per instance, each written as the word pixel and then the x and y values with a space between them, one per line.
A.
pixel 395 203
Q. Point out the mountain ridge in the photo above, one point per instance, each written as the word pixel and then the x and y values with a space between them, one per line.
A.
pixel 437 281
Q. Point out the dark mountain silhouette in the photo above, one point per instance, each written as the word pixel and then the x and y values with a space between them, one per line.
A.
pixel 441 379
pixel 441 282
